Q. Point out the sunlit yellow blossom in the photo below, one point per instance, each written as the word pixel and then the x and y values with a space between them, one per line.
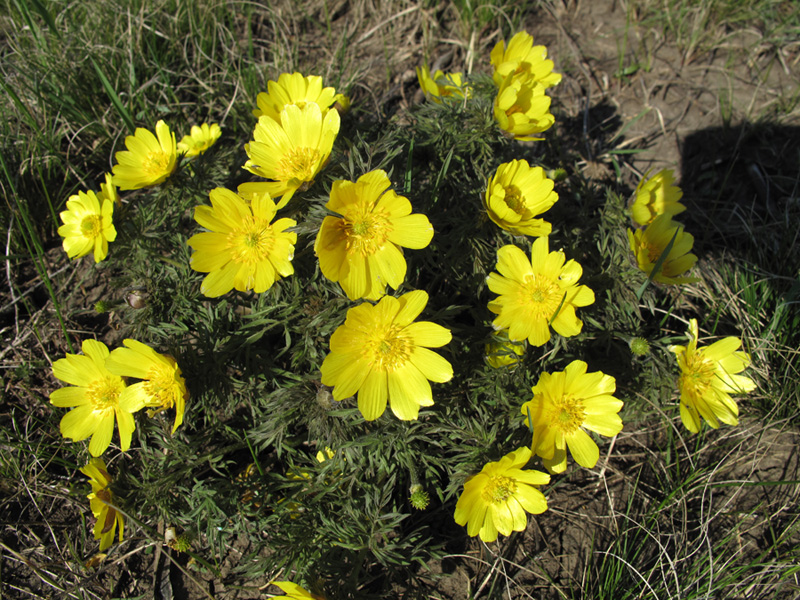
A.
pixel 502 352
pixel 148 160
pixel 291 152
pixel 101 501
pixel 522 109
pixel 381 354
pixel 522 59
pixel 295 592
pixel 294 89
pixel 87 226
pixel 516 194
pixel 96 399
pixel 200 139
pixel 362 248
pixel 656 196
pixel 566 403
pixel 708 378
pixel 163 386
pixel 538 293
pixel 243 249
pixel 649 244
pixel 441 85
pixel 108 190
pixel 497 499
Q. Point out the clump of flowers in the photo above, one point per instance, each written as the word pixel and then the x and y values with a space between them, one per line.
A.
pixel 163 386
pixel 88 225
pixel 517 193
pixel 294 89
pixel 361 249
pixel 200 139
pixel 709 376
pixel 650 243
pixel 101 501
pixel 148 160
pixel 524 60
pixel 290 152
pixel 536 294
pixel 656 196
pixel 522 109
pixel 564 405
pixel 243 248
pixel 496 500
pixel 381 354
pixel 441 85
pixel 95 397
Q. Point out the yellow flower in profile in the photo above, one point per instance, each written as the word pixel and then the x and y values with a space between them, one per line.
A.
pixel 294 89
pixel 522 59
pixel 564 404
pixel 108 191
pixel 650 243
pixel 101 501
pixel 362 248
pixel 200 139
pixel 381 354
pixel 656 196
pixel 163 386
pixel 87 225
pixel 243 249
pixel 291 152
pixel 497 500
pixel 536 294
pixel 522 109
pixel 295 592
pixel 708 378
pixel 148 160
pixel 96 399
pixel 441 85
pixel 502 352
pixel 516 194
pixel 341 103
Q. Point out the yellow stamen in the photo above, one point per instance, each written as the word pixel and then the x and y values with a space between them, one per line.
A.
pixel 388 350
pixel 298 163
pixel 541 296
pixel 156 163
pixel 252 242
pixel 499 489
pixel 91 226
pixel 567 414
pixel 104 393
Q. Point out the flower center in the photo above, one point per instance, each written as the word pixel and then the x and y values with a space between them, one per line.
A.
pixel 299 163
pixel 252 242
pixel 696 378
pixel 156 163
pixel 366 233
pixel 541 296
pixel 91 226
pixel 514 200
pixel 388 350
pixel 104 393
pixel 162 386
pixel 499 489
pixel 567 414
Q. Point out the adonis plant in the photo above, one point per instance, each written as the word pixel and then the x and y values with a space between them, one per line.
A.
pixel 352 341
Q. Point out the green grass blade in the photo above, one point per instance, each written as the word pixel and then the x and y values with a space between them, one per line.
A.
pixel 657 267
pixel 115 100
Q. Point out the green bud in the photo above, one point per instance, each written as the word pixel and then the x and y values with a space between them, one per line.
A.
pixel 640 346
pixel 419 497
pixel 101 306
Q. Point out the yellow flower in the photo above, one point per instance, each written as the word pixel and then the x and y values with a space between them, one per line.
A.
pixel 200 139
pixel 708 378
pixel 656 196
pixel 87 225
pixel 649 244
pixel 96 398
pixel 516 194
pixel 502 352
pixel 537 293
pixel 294 89
pixel 441 85
pixel 148 160
pixel 381 354
pixel 108 191
pixel 521 58
pixel 522 108
pixel 361 249
pixel 163 386
pixel 341 103
pixel 101 502
pixel 497 499
pixel 295 592
pixel 291 152
pixel 242 250
pixel 564 404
